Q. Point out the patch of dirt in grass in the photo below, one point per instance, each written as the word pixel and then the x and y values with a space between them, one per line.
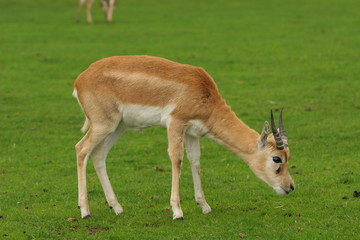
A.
pixel 72 220
pixel 96 229
pixel 250 209
pixel 159 169
pixel 74 228
pixel 242 235
pixel 293 215
pixel 152 224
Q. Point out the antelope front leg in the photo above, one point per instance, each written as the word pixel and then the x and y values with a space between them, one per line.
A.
pixel 176 152
pixel 193 154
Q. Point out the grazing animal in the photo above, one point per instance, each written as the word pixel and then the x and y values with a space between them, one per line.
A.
pixel 107 5
pixel 137 92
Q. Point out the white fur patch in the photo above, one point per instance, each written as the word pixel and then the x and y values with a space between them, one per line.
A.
pixel 280 190
pixel 197 128
pixel 75 95
pixel 271 164
pixel 139 117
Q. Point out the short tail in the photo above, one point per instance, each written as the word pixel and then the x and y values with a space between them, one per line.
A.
pixel 86 125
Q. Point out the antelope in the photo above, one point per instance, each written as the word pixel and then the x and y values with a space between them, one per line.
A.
pixel 107 5
pixel 137 92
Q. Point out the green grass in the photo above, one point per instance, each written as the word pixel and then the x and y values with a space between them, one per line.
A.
pixel 300 55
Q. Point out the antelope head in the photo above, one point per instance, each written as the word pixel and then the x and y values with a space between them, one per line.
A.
pixel 272 161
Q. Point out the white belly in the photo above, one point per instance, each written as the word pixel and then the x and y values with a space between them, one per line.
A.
pixel 140 117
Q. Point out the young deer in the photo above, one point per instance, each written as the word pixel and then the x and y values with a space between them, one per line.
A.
pixel 137 92
pixel 107 5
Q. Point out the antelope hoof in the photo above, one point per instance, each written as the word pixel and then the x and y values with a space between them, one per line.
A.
pixel 85 213
pixel 178 215
pixel 118 209
pixel 205 208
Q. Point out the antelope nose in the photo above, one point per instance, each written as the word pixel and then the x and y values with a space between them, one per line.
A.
pixel 292 187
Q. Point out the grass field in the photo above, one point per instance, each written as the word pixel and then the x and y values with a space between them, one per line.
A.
pixel 300 55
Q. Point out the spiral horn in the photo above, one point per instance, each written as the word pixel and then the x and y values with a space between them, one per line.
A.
pixel 278 139
pixel 282 130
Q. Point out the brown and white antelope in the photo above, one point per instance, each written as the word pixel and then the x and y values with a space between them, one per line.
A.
pixel 107 5
pixel 137 92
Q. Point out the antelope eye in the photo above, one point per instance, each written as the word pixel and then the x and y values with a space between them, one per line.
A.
pixel 277 159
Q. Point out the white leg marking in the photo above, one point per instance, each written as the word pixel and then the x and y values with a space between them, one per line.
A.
pixel 193 154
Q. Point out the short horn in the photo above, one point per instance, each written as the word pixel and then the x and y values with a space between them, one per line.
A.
pixel 279 141
pixel 282 130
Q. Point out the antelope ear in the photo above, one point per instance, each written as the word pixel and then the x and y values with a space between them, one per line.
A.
pixel 264 134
